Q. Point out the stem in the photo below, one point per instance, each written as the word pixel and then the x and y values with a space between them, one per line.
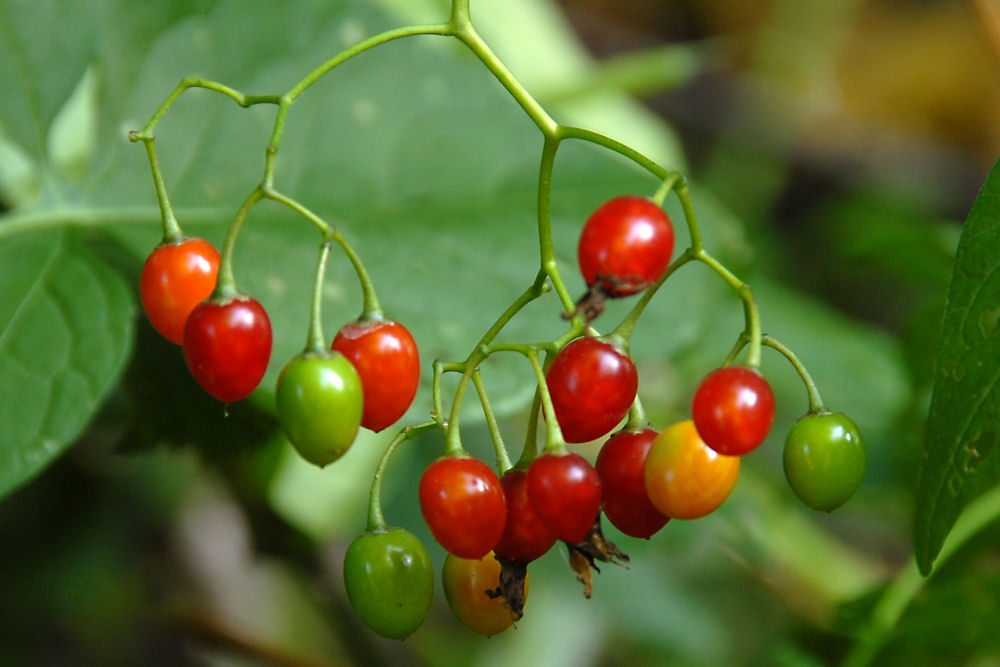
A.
pixel 372 309
pixel 503 459
pixel 462 29
pixel 545 248
pixel 225 288
pixel 315 341
pixel 554 441
pixel 636 416
pixel 981 512
pixel 750 311
pixel 376 522
pixel 815 400
pixel 171 229
pixel 627 325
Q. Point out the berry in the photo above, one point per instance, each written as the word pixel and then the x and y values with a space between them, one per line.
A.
pixel 385 356
pixel 625 245
pixel 463 504
pixel 685 479
pixel 389 581
pixel 525 537
pixel 319 401
pixel 176 277
pixel 824 459
pixel 565 492
pixel 621 466
pixel 733 410
pixel 468 584
pixel 227 345
pixel 592 385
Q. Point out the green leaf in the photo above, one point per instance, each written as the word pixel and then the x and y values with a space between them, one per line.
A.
pixel 65 333
pixel 961 459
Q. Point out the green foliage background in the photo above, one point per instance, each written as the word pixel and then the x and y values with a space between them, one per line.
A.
pixel 173 533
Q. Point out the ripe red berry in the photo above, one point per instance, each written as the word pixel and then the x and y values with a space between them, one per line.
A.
pixel 621 466
pixel 733 410
pixel 385 356
pixel 565 492
pixel 227 346
pixel 592 385
pixel 625 245
pixel 175 278
pixel 463 504
pixel 525 537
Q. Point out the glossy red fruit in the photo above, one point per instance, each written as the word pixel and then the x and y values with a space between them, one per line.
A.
pixel 463 504
pixel 227 346
pixel 592 385
pixel 525 537
pixel 565 491
pixel 733 410
pixel 176 277
pixel 385 356
pixel 621 466
pixel 625 245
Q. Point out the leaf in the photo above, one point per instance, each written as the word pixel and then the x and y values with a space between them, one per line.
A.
pixel 961 458
pixel 65 334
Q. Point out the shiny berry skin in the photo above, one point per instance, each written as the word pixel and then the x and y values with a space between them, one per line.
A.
pixel 227 346
pixel 592 385
pixel 733 410
pixel 625 245
pixel 565 491
pixel 389 581
pixel 621 465
pixel 176 277
pixel 385 356
pixel 463 504
pixel 319 401
pixel 824 459
pixel 525 537
pixel 686 479
pixel 465 582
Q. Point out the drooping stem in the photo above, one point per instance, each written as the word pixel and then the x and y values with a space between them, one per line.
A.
pixel 315 341
pixel 503 459
pixel 815 400
pixel 376 522
pixel 225 288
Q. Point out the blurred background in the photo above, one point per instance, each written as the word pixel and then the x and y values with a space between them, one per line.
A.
pixel 834 150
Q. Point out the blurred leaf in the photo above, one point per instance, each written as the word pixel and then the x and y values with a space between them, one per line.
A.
pixel 65 335
pixel 961 458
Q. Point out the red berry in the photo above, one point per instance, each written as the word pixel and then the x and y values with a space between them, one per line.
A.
pixel 227 346
pixel 177 277
pixel 621 466
pixel 565 492
pixel 463 504
pixel 625 245
pixel 525 537
pixel 733 410
pixel 385 356
pixel 592 386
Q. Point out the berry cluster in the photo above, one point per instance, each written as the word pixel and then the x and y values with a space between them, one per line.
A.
pixel 494 522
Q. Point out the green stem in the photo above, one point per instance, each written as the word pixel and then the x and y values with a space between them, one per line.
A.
pixel 315 341
pixel 371 309
pixel 750 311
pixel 503 459
pixel 636 416
pixel 464 31
pixel 554 441
pixel 545 247
pixel 171 229
pixel 376 522
pixel 815 400
pixel 626 327
pixel 530 449
pixel 980 513
pixel 225 288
